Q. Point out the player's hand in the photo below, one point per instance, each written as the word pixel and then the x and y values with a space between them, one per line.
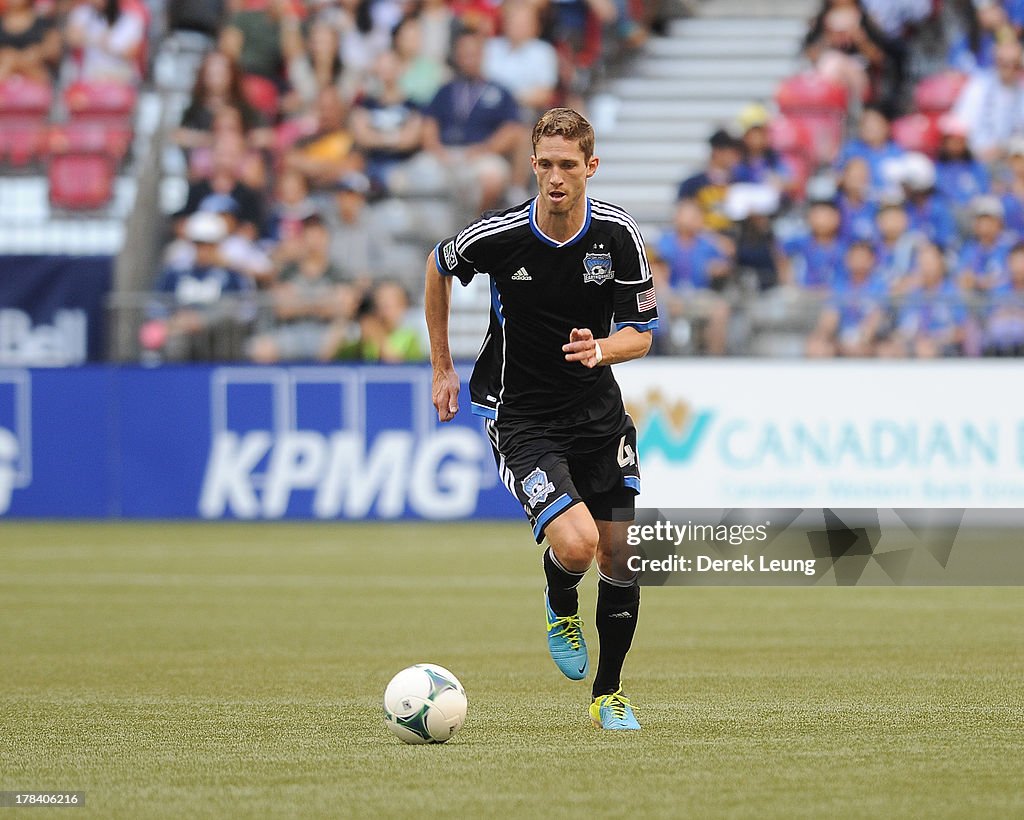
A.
pixel 582 348
pixel 446 393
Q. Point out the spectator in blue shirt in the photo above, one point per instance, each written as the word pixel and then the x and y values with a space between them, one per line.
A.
pixel 932 320
pixel 929 212
pixel 853 319
pixel 761 163
pixel 856 207
pixel 1013 195
pixel 693 265
pixel 975 48
pixel 982 264
pixel 1004 324
pixel 814 261
pixel 873 144
pixel 896 249
pixel 958 175
pixel 472 128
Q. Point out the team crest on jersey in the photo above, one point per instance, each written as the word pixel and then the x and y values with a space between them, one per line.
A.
pixel 597 267
pixel 537 487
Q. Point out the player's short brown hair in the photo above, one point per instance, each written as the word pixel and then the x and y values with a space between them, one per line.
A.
pixel 568 124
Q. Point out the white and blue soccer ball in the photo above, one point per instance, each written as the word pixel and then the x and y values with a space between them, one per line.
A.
pixel 424 704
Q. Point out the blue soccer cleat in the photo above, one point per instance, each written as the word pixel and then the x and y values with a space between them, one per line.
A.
pixel 613 711
pixel 566 644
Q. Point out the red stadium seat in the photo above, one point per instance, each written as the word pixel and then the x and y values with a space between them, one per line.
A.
pixel 24 112
pixel 81 181
pixel 820 105
pixel 917 132
pixel 261 94
pixel 811 93
pixel 101 101
pixel 936 94
pixel 89 137
pixel 793 139
pixel 21 96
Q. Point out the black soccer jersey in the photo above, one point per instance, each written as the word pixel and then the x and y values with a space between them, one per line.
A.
pixel 540 290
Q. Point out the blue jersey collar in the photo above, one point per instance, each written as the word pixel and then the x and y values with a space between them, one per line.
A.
pixel 547 240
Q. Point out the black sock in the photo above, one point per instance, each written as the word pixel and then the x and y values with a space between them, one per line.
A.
pixel 561 586
pixel 618 607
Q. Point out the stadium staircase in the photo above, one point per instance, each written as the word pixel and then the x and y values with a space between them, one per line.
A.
pixel 653 120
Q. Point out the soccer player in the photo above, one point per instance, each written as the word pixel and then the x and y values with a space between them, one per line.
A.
pixel 562 267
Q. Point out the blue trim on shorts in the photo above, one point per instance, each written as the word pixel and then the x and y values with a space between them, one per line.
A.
pixel 632 481
pixel 485 411
pixel 550 511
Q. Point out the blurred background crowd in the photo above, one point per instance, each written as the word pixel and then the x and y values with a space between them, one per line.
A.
pixel 309 153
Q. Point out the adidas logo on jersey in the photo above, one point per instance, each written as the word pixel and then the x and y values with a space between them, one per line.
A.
pixel 521 276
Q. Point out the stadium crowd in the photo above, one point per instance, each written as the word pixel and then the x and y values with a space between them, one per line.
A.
pixel 328 143
pixel 890 204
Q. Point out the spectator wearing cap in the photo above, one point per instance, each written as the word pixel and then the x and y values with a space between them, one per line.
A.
pixel 472 131
pixel 958 175
pixel 197 305
pixel 761 163
pixel 693 264
pixel 853 321
pixel 306 299
pixel 709 187
pixel 992 103
pixel 30 44
pixel 982 263
pixel 360 248
pixel 237 251
pixel 874 145
pixel 896 247
pixel 930 213
pixel 814 261
pixel 1013 193
pixel 932 319
pixel 857 209
pixel 1003 333
pixel 386 125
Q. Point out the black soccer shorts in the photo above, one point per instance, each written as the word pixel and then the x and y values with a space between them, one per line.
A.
pixel 551 464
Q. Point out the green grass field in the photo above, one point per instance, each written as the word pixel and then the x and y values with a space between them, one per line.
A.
pixel 237 671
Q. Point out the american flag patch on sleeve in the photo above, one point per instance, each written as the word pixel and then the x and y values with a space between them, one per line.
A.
pixel 646 300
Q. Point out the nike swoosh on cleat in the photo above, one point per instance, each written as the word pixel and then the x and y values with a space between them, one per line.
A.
pixel 582 668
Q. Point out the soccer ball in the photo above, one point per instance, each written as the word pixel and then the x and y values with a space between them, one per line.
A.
pixel 424 704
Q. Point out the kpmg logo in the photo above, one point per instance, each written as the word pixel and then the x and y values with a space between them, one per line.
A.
pixel 15 434
pixel 340 442
pixel 670 428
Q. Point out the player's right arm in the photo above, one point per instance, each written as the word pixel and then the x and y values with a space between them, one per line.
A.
pixel 437 304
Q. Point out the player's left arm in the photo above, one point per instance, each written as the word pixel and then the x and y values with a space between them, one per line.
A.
pixel 623 345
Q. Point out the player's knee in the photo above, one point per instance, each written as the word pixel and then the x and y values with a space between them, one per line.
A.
pixel 575 545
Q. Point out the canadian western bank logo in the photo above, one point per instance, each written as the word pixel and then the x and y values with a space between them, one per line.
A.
pixel 669 427
pixel 15 434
